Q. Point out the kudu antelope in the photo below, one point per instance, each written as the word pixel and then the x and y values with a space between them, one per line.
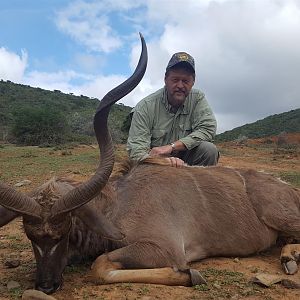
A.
pixel 152 221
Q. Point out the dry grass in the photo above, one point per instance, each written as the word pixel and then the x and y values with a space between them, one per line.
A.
pixel 228 279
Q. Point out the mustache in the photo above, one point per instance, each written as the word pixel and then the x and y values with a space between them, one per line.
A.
pixel 179 91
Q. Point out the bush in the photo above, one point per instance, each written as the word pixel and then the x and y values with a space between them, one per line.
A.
pixel 242 139
pixel 282 139
pixel 37 126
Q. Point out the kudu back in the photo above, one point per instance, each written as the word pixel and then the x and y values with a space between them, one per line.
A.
pixel 148 224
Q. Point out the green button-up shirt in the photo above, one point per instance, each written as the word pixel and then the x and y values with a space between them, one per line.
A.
pixel 154 124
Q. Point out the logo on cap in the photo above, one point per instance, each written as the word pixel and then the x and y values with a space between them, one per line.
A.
pixel 181 57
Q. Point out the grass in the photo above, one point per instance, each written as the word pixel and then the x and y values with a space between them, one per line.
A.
pixel 127 286
pixel 14 237
pixel 72 269
pixel 39 164
pixel 225 284
pixel 143 290
pixel 18 246
pixel 223 277
pixel 291 177
pixel 20 162
pixel 15 242
pixel 16 293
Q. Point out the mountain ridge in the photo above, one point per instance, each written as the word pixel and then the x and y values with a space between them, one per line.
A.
pixel 276 124
pixel 79 112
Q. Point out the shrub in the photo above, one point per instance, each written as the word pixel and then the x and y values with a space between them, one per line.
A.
pixel 37 126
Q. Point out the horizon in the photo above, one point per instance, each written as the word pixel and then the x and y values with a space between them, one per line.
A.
pixel 93 98
pixel 247 60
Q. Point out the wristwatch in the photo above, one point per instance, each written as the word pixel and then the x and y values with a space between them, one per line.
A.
pixel 173 146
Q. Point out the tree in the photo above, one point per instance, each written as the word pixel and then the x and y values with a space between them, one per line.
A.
pixel 38 126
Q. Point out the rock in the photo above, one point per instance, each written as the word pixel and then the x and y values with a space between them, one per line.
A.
pixel 290 284
pixel 36 295
pixel 217 286
pixel 266 279
pixel 236 260
pixel 23 182
pixel 12 263
pixel 13 285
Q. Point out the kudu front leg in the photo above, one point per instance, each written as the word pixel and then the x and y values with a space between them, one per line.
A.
pixel 104 271
pixel 290 256
pixel 117 266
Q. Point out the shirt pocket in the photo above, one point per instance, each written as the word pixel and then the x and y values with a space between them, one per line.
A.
pixel 157 138
pixel 184 130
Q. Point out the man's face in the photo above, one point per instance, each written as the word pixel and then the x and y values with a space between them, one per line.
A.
pixel 179 83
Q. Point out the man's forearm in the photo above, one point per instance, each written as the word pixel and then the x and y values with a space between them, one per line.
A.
pixel 167 150
pixel 178 146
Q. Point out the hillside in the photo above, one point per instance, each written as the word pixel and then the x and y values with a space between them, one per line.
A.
pixel 75 113
pixel 73 118
pixel 270 126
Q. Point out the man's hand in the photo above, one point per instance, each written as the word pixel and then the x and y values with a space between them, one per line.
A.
pixel 161 151
pixel 176 162
pixel 166 151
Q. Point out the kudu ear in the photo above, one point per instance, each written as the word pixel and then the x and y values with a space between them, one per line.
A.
pixel 98 223
pixel 6 215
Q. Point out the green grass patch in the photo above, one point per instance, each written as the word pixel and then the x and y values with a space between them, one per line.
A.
pixel 18 163
pixel 18 246
pixel 16 293
pixel 81 268
pixel 223 277
pixel 14 237
pixel 291 177
pixel 143 290
pixel 225 284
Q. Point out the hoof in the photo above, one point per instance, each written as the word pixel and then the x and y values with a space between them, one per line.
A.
pixel 196 277
pixel 290 267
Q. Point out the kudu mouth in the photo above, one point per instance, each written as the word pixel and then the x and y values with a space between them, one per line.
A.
pixel 49 289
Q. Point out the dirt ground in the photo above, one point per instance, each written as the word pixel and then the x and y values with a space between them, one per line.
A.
pixel 228 278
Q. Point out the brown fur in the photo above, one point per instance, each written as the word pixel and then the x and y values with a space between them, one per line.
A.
pixel 171 216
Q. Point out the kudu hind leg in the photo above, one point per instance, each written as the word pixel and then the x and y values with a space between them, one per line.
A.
pixel 146 266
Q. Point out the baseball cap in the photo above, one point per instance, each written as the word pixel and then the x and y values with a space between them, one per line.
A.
pixel 180 57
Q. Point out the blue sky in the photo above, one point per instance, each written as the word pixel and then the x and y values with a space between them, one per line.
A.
pixel 246 51
pixel 34 25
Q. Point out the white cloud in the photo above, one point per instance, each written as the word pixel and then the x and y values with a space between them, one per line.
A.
pixel 93 86
pixel 83 22
pixel 89 24
pixel 61 80
pixel 246 52
pixel 12 65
